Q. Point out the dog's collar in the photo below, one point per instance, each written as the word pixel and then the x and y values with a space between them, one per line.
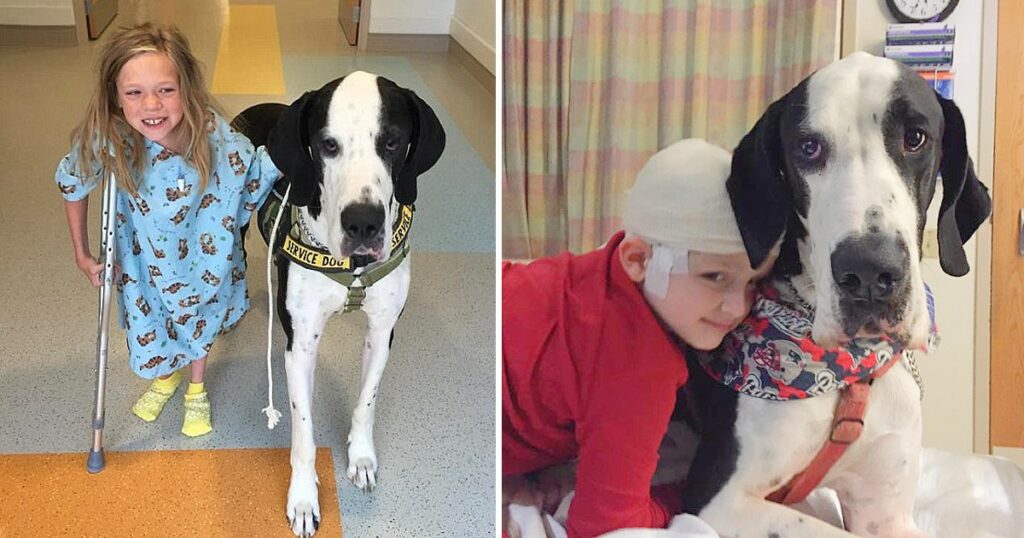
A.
pixel 308 235
pixel 344 270
pixel 771 354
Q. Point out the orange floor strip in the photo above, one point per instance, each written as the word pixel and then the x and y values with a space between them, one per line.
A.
pixel 208 493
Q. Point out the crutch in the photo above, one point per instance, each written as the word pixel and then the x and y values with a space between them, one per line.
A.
pixel 107 247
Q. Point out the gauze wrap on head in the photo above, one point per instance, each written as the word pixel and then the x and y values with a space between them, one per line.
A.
pixel 679 204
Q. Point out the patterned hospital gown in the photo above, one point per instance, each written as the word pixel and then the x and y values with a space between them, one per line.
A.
pixel 180 250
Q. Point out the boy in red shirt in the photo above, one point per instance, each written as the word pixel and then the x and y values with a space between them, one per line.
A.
pixel 592 345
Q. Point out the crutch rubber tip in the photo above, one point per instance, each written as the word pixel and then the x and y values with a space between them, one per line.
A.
pixel 95 463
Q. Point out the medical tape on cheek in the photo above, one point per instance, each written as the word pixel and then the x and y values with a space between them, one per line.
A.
pixel 657 271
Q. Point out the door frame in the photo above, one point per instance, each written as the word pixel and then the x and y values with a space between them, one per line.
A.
pixel 983 282
pixel 364 24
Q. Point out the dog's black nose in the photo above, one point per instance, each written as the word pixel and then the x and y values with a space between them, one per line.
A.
pixel 870 268
pixel 362 222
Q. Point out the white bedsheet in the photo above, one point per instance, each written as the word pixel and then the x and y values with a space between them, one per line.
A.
pixel 959 496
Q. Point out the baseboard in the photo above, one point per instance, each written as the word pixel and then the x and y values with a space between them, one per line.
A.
pixel 475 68
pixel 38 35
pixel 407 42
pixel 391 21
pixel 475 45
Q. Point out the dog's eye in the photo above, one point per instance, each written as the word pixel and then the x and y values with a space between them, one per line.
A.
pixel 914 139
pixel 391 145
pixel 810 149
pixel 329 145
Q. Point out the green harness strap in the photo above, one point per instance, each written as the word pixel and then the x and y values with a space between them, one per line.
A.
pixel 356 293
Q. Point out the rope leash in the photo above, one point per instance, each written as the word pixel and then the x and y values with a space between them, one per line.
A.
pixel 273 415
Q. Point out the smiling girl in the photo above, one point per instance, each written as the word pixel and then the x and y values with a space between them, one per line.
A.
pixel 187 185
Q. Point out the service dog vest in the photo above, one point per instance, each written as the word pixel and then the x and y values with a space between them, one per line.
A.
pixel 770 355
pixel 342 271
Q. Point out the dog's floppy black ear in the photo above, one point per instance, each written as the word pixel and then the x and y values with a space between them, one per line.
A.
pixel 761 198
pixel 288 146
pixel 425 147
pixel 965 199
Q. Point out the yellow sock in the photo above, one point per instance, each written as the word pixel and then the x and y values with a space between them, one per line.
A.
pixel 151 403
pixel 167 385
pixel 197 412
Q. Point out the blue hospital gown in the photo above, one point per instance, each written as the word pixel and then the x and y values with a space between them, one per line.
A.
pixel 180 250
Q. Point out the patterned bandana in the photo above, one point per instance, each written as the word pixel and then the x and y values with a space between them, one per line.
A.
pixel 771 354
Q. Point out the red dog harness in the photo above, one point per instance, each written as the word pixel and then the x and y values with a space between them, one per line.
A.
pixel 847 425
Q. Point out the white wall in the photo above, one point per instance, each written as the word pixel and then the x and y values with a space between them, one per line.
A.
pixel 949 372
pixel 411 16
pixel 473 28
pixel 37 12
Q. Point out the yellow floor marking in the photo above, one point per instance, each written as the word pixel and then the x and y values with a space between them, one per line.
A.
pixel 249 57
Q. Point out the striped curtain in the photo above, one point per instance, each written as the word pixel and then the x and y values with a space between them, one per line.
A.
pixel 641 75
pixel 535 83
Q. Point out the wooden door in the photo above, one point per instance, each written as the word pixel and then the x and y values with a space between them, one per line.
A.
pixel 1007 365
pixel 348 16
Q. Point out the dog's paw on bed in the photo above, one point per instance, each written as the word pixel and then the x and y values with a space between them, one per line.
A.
pixel 303 505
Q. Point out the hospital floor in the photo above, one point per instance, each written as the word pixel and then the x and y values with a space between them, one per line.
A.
pixel 435 426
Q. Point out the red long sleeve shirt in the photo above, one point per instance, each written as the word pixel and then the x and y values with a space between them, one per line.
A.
pixel 587 373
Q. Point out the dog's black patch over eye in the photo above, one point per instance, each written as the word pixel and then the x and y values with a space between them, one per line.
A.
pixel 913 140
pixel 329 147
pixel 391 142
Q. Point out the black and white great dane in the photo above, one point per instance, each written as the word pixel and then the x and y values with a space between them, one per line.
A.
pixel 352 152
pixel 838 174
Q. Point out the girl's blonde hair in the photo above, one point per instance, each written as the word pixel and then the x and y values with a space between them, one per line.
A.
pixel 105 137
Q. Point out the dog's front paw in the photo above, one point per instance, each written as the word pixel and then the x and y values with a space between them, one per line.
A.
pixel 303 505
pixel 362 464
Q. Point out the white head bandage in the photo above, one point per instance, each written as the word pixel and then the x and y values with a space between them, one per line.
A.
pixel 679 204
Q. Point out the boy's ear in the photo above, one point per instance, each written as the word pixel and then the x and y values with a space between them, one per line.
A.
pixel 634 253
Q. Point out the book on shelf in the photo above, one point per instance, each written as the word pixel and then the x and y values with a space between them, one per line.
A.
pixel 926 48
pixel 920 33
pixel 940 80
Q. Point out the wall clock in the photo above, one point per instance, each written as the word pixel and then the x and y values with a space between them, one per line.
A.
pixel 921 10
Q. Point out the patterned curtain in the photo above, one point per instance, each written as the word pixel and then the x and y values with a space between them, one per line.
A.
pixel 644 74
pixel 535 82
